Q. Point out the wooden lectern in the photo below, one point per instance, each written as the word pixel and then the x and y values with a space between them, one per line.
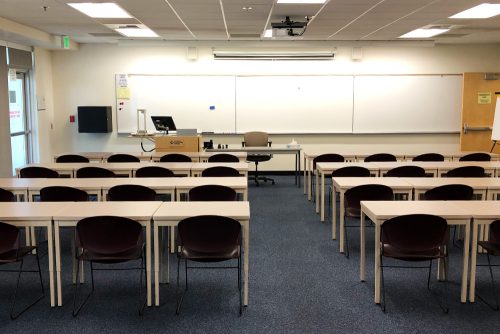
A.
pixel 178 143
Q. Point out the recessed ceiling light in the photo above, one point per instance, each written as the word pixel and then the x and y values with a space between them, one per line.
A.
pixel 483 11
pixel 268 33
pixel 302 1
pixel 423 33
pixel 137 32
pixel 247 8
pixel 101 10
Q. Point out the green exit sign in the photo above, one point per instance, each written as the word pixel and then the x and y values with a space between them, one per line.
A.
pixel 65 42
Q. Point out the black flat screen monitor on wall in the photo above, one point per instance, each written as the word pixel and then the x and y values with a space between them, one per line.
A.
pixel 163 123
pixel 94 119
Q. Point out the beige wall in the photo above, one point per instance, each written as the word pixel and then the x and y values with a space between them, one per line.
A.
pixel 86 77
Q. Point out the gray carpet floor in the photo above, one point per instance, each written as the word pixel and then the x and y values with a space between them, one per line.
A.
pixel 299 283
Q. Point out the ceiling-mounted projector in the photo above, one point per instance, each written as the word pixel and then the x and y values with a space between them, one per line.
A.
pixel 288 24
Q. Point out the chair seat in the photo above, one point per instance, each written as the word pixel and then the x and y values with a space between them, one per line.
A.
pixel 217 255
pixel 258 157
pixel 425 255
pixel 131 254
pixel 353 212
pixel 15 255
pixel 492 247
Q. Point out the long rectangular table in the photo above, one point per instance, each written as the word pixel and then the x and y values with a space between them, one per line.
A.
pixel 171 213
pixel 72 212
pixel 267 150
pixel 380 211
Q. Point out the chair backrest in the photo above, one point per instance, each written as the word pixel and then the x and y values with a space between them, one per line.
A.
pixel 154 171
pixel 450 192
pixel 466 171
pixel 122 157
pixel 131 192
pixel 415 233
pixel 175 157
pixel 62 194
pixel 366 192
pixel 107 235
pixel 429 157
pixel 10 238
pixel 494 235
pixel 72 158
pixel 256 138
pixel 327 157
pixel 221 171
pixel 476 157
pixel 90 172
pixel 209 234
pixel 351 171
pixel 380 157
pixel 223 157
pixel 7 196
pixel 406 171
pixel 212 192
pixel 38 172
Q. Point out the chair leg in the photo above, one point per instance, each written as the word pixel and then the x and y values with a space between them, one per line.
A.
pixel 493 292
pixel 346 239
pixel 16 315
pixel 239 285
pixel 142 302
pixel 78 283
pixel 180 296
pixel 382 304
pixel 443 306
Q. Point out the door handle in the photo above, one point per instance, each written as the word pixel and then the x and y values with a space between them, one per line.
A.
pixel 468 128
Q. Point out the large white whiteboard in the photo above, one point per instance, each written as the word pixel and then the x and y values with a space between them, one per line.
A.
pixel 187 98
pixel 407 103
pixel 297 104
pixel 294 104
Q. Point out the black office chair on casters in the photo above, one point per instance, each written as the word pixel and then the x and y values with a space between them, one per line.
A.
pixel 254 139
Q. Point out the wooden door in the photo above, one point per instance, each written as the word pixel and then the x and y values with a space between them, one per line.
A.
pixel 477 112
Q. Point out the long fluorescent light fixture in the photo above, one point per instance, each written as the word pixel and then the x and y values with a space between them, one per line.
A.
pixel 136 32
pixel 273 55
pixel 423 33
pixel 302 1
pixel 482 11
pixel 106 10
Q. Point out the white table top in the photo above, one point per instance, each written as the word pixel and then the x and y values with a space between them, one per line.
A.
pixel 331 166
pixel 16 183
pixel 133 210
pixel 83 184
pixel 431 182
pixel 481 209
pixel 31 210
pixel 180 210
pixel 151 182
pixel 189 182
pixel 349 182
pixel 241 166
pixel 384 210
pixel 256 149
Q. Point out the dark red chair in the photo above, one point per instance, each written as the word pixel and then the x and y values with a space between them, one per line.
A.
pixel 466 171
pixel 154 171
pixel 38 172
pixel 122 157
pixel 94 172
pixel 62 194
pixel 353 198
pixel 109 240
pixel 11 251
pixel 131 192
pixel 175 157
pixel 406 171
pixel 220 171
pixel 7 196
pixel 212 192
pixel 71 158
pixel 223 157
pixel 380 157
pixel 413 238
pixel 208 239
pixel 476 157
pixel 429 157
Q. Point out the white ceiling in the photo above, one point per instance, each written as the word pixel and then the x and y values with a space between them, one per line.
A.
pixel 221 20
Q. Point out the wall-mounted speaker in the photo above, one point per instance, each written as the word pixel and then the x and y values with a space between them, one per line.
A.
pixel 357 54
pixel 491 76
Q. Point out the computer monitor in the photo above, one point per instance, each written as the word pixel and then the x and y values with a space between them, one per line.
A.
pixel 163 123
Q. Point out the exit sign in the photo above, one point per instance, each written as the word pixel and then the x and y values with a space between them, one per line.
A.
pixel 65 42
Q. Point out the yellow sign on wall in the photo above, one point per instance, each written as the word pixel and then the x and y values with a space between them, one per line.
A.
pixel 484 98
